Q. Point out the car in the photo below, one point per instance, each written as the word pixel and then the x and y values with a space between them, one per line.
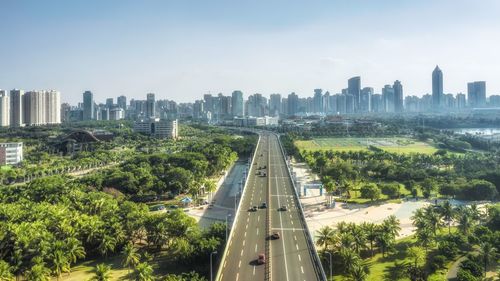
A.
pixel 264 167
pixel 275 235
pixel 282 208
pixel 263 174
pixel 261 259
pixel 263 205
pixel 253 209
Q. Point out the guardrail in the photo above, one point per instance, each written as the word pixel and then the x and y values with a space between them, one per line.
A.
pixel 318 267
pixel 236 215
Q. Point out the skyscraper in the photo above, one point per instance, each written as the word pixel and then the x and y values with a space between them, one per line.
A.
pixel 275 104
pixel 109 102
pixel 52 107
pixel 121 101
pixel 437 88
pixel 16 108
pixel 4 109
pixel 150 105
pixel 398 96
pixel 237 104
pixel 293 104
pixel 88 106
pixel 476 93
pixel 354 89
pixel 388 98
pixel 318 101
pixel 365 99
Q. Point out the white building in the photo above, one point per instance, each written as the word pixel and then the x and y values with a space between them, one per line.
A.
pixel 161 128
pixel 41 108
pixel 11 153
pixel 266 121
pixel 116 113
pixel 4 109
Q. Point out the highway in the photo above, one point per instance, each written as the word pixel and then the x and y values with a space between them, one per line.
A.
pixel 287 258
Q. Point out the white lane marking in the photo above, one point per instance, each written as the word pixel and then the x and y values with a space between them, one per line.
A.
pixel 281 225
pixel 295 237
pixel 237 276
pixel 302 269
pixel 254 270
pixel 244 242
pixel 239 265
pixel 241 254
pixel 248 219
pixel 291 222
pixel 258 218
pixel 246 227
pixel 300 259
pixel 257 231
pixel 225 263
pixel 297 246
pixel 245 234
pixel 256 248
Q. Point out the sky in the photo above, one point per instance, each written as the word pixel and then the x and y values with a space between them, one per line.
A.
pixel 181 50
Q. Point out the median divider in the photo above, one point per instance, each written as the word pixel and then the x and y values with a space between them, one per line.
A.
pixel 236 215
pixel 318 267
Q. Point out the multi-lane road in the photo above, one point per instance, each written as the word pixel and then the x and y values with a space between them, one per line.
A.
pixel 288 258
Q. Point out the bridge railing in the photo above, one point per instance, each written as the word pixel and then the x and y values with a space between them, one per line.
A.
pixel 236 215
pixel 318 267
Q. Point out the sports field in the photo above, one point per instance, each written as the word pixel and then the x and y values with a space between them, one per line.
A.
pixel 396 144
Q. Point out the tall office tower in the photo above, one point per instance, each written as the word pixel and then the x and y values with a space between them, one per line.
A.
pixel 377 103
pixel 88 106
pixel 293 104
pixel 52 107
pixel 121 101
pixel 284 106
pixel 34 108
pixel 4 109
pixel 109 102
pixel 398 96
pixel 354 89
pixel 388 98
pixel 476 93
pixel 150 105
pixel 275 104
pixel 365 100
pixel 437 88
pixel 350 106
pixel 225 103
pixel 209 102
pixel 494 100
pixel 237 109
pixel 326 103
pixel 318 101
pixel 16 108
pixel 332 105
pixel 461 101
pixel 257 105
pixel 198 109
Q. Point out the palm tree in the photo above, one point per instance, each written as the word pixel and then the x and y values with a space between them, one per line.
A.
pixel 417 255
pixel 144 272
pixel 391 225
pixel 359 239
pixel 358 273
pixel 487 253
pixel 102 273
pixel 371 230
pixel 107 245
pixel 464 221
pixel 74 249
pixel 38 273
pixel 447 212
pixel 425 237
pixel 433 219
pixel 5 271
pixel 130 256
pixel 61 263
pixel 324 237
pixel 349 259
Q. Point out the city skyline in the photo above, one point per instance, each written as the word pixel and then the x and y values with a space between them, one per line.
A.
pixel 180 51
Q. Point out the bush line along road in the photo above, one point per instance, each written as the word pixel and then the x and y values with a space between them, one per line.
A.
pixel 288 257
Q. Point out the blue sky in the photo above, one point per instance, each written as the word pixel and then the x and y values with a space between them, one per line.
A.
pixel 181 50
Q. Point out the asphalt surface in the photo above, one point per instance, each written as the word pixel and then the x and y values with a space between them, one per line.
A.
pixel 290 258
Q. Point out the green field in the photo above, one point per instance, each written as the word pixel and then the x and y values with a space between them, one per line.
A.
pixel 396 144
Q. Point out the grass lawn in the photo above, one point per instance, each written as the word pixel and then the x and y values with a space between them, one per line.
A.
pixel 393 144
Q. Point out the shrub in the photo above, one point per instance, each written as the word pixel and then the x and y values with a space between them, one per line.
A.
pixel 473 267
pixel 438 262
pixel 465 275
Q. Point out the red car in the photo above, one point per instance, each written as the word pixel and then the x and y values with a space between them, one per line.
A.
pixel 261 259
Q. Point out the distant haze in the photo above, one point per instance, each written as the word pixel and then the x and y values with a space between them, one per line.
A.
pixel 181 50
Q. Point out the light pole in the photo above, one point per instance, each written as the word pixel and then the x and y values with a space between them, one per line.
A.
pixel 228 215
pixel 330 254
pixel 212 253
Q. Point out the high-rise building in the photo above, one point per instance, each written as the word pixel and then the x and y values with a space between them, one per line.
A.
pixel 121 101
pixel 354 89
pixel 275 104
pixel 4 109
pixel 293 104
pixel 398 96
pixel 388 98
pixel 476 93
pixel 34 104
pixel 16 108
pixel 318 101
pixel 377 103
pixel 109 102
pixel 461 101
pixel 88 106
pixel 365 99
pixel 150 105
pixel 437 88
pixel 327 109
pixel 237 108
pixel 52 107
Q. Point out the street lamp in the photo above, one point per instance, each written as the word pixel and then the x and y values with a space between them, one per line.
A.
pixel 228 215
pixel 330 254
pixel 212 253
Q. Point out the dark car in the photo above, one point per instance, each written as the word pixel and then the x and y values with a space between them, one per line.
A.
pixel 275 235
pixel 263 205
pixel 282 208
pixel 261 259
pixel 253 209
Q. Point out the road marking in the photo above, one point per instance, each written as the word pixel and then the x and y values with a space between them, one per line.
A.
pixel 281 224
pixel 243 242
pixel 246 227
pixel 254 270
pixel 258 218
pixel 291 222
pixel 257 231
pixel 245 234
pixel 300 259
pixel 237 276
pixel 256 248
pixel 239 265
pixel 297 246
pixel 295 237
pixel 277 228
pixel 248 218
pixel 225 263
pixel 302 269
pixel 241 254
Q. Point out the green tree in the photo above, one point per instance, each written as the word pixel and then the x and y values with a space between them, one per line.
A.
pixel 325 237
pixel 358 273
pixel 60 262
pixel 447 213
pixel 416 255
pixel 488 254
pixel 5 271
pixel 144 272
pixel 38 273
pixel 130 256
pixel 102 272
pixel 370 191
